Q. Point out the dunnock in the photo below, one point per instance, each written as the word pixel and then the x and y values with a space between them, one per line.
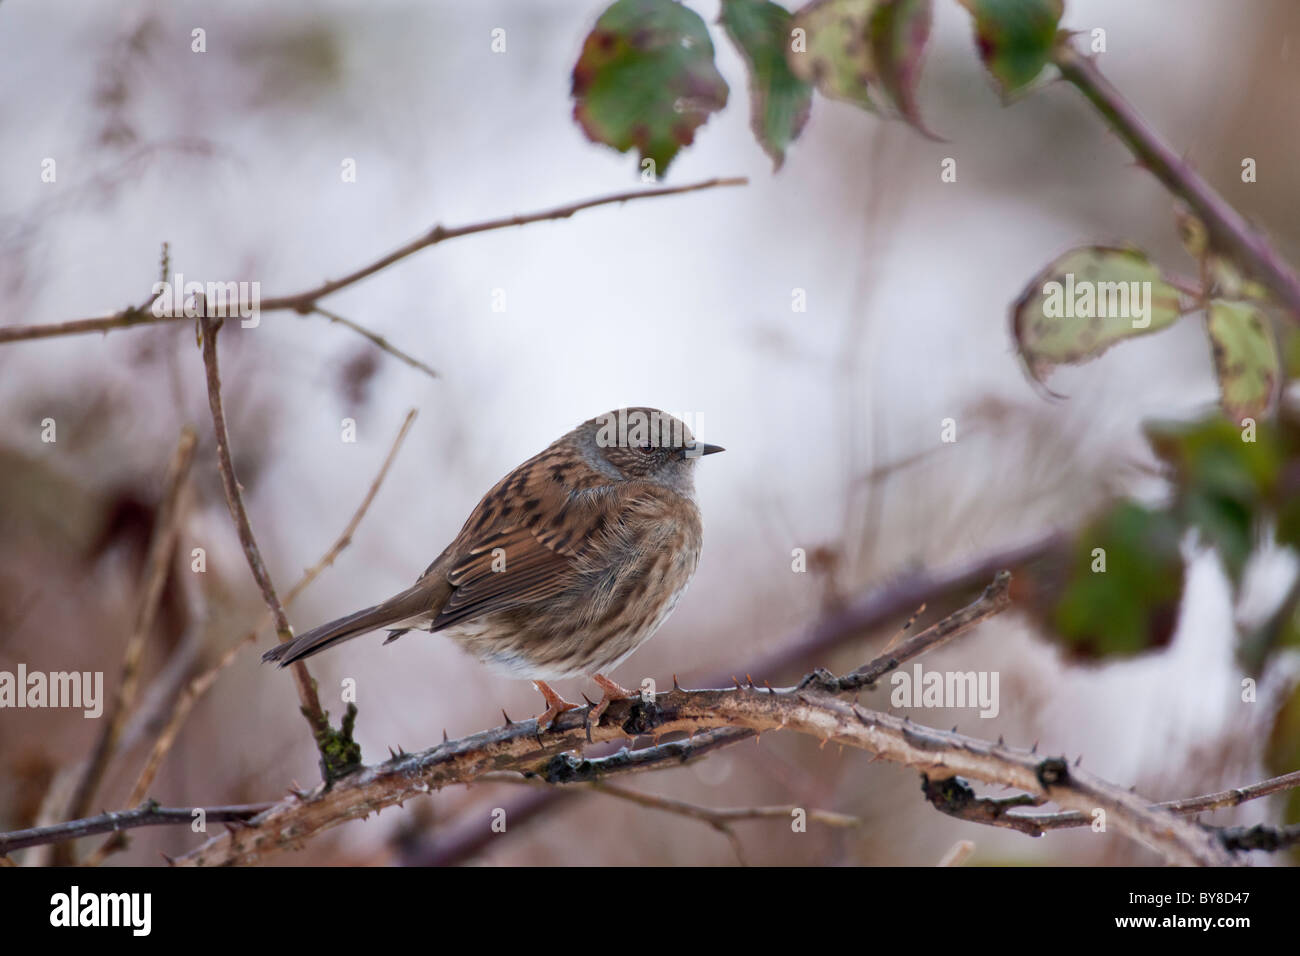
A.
pixel 566 566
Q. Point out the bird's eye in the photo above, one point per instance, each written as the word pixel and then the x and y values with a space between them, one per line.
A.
pixel 646 448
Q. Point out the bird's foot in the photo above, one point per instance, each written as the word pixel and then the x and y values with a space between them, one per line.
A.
pixel 613 692
pixel 555 705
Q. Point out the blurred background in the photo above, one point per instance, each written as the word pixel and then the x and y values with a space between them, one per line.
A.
pixel 831 417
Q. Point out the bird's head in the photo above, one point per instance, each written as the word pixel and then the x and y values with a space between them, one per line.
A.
pixel 642 443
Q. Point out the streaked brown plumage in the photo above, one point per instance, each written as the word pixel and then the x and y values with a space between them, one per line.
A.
pixel 566 566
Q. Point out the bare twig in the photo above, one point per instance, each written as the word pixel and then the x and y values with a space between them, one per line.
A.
pixel 162 549
pixel 337 750
pixel 377 339
pixel 720 818
pixel 1229 231
pixel 305 301
pixel 958 853
pixel 147 815
pixel 200 684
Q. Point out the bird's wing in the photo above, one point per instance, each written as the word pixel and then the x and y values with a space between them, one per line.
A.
pixel 521 545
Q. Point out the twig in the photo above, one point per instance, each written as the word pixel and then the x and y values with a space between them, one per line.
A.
pixel 377 339
pixel 305 302
pixel 720 818
pixel 955 798
pixel 148 815
pixel 337 750
pixel 201 683
pixel 1229 231
pixel 958 853
pixel 162 549
pixel 1260 837
pixel 996 598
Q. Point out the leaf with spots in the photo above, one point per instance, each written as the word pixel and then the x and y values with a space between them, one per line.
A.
pixel 646 79
pixel 830 49
pixel 1246 358
pixel 898 31
pixel 1087 300
pixel 1015 38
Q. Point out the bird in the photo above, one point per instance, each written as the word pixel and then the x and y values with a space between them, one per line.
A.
pixel 565 567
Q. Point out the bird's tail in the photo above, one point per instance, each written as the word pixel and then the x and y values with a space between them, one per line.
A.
pixel 409 608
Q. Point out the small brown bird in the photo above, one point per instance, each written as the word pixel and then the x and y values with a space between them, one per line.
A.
pixel 567 565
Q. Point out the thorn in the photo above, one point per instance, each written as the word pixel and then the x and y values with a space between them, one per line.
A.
pixel 590 702
pixel 954 728
pixel 509 722
pixel 170 860
pixel 1079 761
pixel 768 685
pixel 1001 742
pixel 822 745
pixel 750 679
pixel 444 735
pixel 391 755
pixel 1034 748
pixel 737 683
pixel 676 686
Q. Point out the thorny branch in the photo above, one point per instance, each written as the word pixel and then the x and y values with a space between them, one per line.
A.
pixel 809 709
pixel 146 815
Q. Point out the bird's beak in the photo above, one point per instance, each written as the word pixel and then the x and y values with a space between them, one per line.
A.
pixel 698 448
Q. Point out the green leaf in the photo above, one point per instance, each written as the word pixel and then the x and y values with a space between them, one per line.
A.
pixel 898 31
pixel 830 49
pixel 646 78
pixel 1132 605
pixel 1223 482
pixel 1086 301
pixel 1246 358
pixel 1015 38
pixel 779 101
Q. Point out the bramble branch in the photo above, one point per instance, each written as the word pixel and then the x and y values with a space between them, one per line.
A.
pixel 1229 231
pixel 809 708
pixel 146 815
